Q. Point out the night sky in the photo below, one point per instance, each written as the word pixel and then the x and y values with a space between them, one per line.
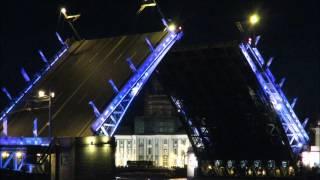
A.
pixel 290 32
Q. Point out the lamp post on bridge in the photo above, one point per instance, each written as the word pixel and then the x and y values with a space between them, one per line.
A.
pixel 47 97
pixel 247 28
pixel 70 19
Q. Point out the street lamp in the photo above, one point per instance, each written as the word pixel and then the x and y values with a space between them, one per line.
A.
pixel 172 27
pixel 63 11
pixel 70 19
pixel 145 4
pixel 43 96
pixel 254 19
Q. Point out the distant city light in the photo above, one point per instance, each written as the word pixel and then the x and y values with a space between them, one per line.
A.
pixel 254 19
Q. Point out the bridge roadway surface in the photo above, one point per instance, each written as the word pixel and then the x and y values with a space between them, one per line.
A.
pixel 81 76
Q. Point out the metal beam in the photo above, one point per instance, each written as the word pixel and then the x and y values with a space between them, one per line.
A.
pixel 115 111
pixel 295 132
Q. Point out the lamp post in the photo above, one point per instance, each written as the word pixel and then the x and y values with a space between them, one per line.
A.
pixel 69 19
pixel 247 28
pixel 253 20
pixel 42 95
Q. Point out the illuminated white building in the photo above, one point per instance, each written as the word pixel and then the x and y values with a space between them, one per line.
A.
pixel 312 158
pixel 162 150
pixel 158 135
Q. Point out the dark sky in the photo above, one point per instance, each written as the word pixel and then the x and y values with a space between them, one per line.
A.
pixel 290 32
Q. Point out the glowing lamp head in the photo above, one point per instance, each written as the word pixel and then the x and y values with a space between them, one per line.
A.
pixel 52 94
pixel 18 154
pixel 4 154
pixel 63 10
pixel 254 19
pixel 41 94
pixel 172 27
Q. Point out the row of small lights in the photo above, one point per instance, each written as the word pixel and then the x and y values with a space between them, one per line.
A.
pixel 6 154
pixel 19 154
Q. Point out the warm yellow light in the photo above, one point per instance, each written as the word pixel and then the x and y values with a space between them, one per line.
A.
pixel 210 167
pixel 41 94
pixel 52 94
pixel 172 27
pixel 231 171
pixel 264 172
pixel 18 154
pixel 254 19
pixel 63 10
pixel 4 154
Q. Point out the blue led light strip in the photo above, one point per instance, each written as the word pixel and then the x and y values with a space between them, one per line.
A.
pixel 295 132
pixel 24 141
pixel 109 120
pixel 33 82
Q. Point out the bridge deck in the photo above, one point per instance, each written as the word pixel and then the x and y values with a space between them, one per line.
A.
pixel 82 75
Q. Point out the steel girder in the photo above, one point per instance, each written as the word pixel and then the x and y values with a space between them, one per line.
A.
pixel 296 135
pixel 108 121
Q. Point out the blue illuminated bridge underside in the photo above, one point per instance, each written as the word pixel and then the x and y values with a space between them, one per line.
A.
pixel 95 82
pixel 297 136
pixel 85 76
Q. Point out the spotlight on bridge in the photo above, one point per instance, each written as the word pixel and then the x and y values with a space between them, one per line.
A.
pixel 254 19
pixel 172 27
pixel 278 107
pixel 5 154
pixel 19 155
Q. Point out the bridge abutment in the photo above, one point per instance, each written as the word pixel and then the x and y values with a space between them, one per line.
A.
pixel 68 158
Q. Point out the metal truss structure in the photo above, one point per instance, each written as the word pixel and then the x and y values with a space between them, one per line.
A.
pixel 108 121
pixel 32 83
pixel 14 153
pixel 198 133
pixel 295 133
pixel 13 159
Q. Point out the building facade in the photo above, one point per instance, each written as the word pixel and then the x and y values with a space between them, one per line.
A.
pixel 158 135
pixel 162 150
